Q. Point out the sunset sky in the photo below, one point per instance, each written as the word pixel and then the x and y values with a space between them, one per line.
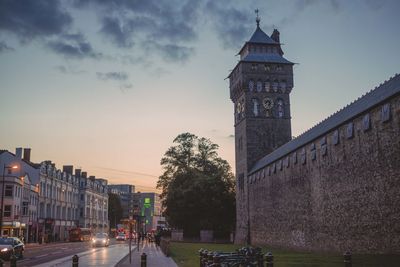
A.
pixel 107 85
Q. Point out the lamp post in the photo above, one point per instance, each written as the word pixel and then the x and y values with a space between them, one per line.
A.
pixel 2 195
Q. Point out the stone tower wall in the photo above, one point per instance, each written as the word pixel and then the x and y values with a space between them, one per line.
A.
pixel 333 194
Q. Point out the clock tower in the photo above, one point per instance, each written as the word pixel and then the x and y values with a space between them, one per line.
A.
pixel 260 85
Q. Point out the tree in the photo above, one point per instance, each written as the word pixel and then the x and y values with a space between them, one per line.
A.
pixel 114 209
pixel 197 186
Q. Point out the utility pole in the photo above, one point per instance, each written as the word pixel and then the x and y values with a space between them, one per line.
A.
pixel 130 239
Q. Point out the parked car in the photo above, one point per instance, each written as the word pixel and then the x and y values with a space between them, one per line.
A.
pixel 11 246
pixel 100 239
pixel 121 237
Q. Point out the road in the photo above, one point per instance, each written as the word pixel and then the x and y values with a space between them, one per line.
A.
pixel 60 254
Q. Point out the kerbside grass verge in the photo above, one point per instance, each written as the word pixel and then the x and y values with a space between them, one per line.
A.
pixel 186 255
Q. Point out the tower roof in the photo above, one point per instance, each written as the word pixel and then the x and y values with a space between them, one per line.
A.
pixel 259 36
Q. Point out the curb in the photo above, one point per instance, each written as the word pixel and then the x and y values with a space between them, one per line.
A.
pixel 125 257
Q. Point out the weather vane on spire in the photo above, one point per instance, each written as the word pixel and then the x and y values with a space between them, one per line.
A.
pixel 257 18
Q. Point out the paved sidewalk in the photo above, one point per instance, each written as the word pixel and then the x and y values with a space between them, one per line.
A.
pixel 155 257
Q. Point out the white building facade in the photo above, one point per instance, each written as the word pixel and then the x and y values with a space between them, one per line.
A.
pixel 93 203
pixel 19 197
pixel 58 202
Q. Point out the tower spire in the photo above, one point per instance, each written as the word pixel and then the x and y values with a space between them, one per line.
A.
pixel 257 18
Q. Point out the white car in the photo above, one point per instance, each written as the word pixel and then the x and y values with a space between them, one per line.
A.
pixel 121 237
pixel 100 239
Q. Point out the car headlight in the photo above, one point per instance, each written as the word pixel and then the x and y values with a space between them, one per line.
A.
pixel 104 241
pixel 94 240
pixel 4 250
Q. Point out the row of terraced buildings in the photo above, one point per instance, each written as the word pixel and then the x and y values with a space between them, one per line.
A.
pixel 41 203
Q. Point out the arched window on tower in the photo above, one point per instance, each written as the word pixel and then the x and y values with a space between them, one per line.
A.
pixel 259 86
pixel 275 85
pixel 251 85
pixel 281 108
pixel 267 85
pixel 256 106
pixel 282 85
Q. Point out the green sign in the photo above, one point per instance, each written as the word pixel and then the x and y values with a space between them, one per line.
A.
pixel 147 202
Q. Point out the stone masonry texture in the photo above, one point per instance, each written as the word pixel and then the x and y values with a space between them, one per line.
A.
pixel 328 195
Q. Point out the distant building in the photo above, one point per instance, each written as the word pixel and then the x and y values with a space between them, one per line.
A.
pixel 93 202
pixel 148 205
pixel 125 193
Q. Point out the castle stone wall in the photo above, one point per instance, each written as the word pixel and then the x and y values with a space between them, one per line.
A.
pixel 338 192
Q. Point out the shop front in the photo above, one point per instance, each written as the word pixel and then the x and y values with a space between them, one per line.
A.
pixel 14 228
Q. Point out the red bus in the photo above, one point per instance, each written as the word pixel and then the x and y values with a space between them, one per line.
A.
pixel 80 234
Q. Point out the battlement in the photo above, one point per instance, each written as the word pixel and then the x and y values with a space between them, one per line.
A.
pixel 374 97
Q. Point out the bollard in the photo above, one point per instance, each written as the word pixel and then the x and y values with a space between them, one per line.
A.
pixel 269 258
pixel 75 261
pixel 13 261
pixel 347 259
pixel 143 260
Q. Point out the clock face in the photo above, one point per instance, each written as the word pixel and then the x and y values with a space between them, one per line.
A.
pixel 251 85
pixel 268 103
pixel 238 108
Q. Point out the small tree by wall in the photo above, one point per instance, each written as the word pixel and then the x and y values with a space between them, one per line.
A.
pixel 198 190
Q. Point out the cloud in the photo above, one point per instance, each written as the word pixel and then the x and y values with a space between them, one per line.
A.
pixel 166 26
pixel 73 46
pixel 68 70
pixel 118 34
pixel 231 24
pixel 159 72
pixel 4 47
pixel 125 87
pixel 116 76
pixel 33 19
pixel 173 52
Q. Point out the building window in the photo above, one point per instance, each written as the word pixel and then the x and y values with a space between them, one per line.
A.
pixel 385 112
pixel 25 208
pixel 256 106
pixel 8 191
pixel 281 111
pixel 366 122
pixel 7 211
pixel 350 130
pixel 240 144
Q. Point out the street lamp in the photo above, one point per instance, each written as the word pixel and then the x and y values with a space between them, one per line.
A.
pixel 2 195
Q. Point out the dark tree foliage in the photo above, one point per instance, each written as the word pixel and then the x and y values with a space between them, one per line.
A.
pixel 114 209
pixel 197 187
